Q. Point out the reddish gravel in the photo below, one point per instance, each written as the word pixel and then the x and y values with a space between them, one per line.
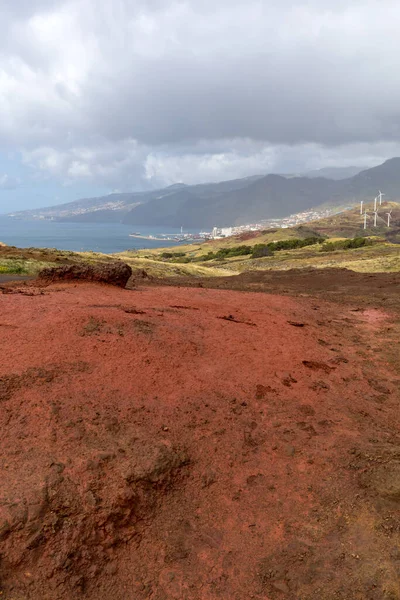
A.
pixel 173 443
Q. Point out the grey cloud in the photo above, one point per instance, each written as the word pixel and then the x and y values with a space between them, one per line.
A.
pixel 128 91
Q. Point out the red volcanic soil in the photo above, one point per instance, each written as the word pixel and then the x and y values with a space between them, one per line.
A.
pixel 173 443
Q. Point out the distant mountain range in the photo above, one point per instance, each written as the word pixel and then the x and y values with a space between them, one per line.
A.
pixel 336 173
pixel 239 201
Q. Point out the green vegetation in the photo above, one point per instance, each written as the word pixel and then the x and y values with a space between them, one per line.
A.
pixel 357 242
pixel 13 267
pixel 228 253
pixel 256 251
pixel 261 251
pixel 172 254
pixel 289 244
pixel 337 241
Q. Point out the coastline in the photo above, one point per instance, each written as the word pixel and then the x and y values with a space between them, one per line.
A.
pixel 83 237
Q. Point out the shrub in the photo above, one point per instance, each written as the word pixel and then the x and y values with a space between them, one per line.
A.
pixel 357 242
pixel 228 253
pixel 183 260
pixel 172 254
pixel 13 267
pixel 261 250
pixel 295 243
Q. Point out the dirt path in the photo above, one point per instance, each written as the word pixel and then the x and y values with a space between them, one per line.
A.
pixel 14 278
pixel 175 443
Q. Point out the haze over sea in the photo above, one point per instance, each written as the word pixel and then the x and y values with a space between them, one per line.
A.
pixel 99 237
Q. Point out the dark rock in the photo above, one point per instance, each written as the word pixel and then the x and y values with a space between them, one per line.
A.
pixel 317 366
pixel 113 273
pixel 36 539
pixel 5 529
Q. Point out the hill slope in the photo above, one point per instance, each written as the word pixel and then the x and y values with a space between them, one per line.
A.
pixel 272 196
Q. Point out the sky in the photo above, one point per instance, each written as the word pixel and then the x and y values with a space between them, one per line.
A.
pixel 124 95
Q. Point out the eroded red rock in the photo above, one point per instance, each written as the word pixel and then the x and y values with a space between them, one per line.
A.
pixel 113 273
pixel 151 451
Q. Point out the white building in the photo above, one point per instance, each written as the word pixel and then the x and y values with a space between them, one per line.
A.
pixel 226 231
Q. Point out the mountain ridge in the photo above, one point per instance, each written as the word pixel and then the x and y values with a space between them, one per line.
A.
pixel 232 202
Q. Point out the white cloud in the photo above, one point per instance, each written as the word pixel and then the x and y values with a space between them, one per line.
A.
pixel 8 183
pixel 135 92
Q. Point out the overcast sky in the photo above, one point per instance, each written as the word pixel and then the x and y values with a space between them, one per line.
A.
pixel 128 94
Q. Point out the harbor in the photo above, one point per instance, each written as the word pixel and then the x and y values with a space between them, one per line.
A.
pixel 170 237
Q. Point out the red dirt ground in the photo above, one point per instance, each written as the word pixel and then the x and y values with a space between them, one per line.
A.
pixel 172 443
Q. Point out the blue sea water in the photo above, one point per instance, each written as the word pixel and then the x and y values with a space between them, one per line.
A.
pixel 99 237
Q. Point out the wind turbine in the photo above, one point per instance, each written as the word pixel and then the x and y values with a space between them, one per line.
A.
pixel 375 201
pixel 361 206
pixel 365 219
pixel 389 216
pixel 380 197
pixel 375 217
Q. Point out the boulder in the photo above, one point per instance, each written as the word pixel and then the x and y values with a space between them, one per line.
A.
pixel 113 273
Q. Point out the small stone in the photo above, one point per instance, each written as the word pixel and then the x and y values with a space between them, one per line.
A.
pixel 395 553
pixel 91 498
pixel 290 451
pixel 105 456
pixel 111 569
pixel 281 586
pixel 208 478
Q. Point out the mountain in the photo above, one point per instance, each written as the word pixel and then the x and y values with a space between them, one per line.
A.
pixel 336 173
pixel 100 209
pixel 114 207
pixel 238 201
pixel 385 177
pixel 272 196
pixel 84 206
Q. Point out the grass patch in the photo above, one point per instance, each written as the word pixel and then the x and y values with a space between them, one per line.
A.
pixel 13 267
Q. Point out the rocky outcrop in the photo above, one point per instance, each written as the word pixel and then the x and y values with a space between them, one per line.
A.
pixel 68 527
pixel 113 273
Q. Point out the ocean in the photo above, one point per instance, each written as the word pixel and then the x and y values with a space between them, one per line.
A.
pixel 99 237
